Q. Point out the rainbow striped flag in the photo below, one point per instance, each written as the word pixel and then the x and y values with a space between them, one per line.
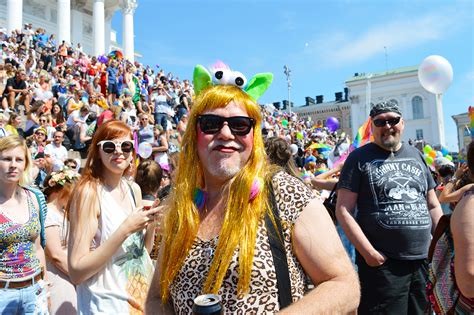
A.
pixel 364 135
pixel 471 116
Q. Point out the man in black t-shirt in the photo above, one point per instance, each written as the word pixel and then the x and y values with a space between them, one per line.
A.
pixel 393 190
pixel 16 88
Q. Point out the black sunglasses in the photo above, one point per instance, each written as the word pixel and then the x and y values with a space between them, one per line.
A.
pixel 109 146
pixel 391 121
pixel 239 125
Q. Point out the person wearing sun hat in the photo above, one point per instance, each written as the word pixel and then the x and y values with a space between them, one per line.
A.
pixel 220 234
pixel 37 141
pixel 393 190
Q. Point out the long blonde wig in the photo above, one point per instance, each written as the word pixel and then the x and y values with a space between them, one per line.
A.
pixel 242 216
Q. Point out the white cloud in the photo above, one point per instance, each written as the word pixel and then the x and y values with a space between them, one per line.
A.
pixel 345 47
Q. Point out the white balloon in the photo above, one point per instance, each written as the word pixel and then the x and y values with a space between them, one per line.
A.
pixel 145 150
pixel 435 74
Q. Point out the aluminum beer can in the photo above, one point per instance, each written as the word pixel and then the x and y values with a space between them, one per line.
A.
pixel 208 304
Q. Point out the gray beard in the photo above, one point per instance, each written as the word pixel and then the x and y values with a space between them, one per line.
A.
pixel 391 145
pixel 224 171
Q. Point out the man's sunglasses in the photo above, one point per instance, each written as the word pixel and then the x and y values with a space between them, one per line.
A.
pixel 109 146
pixel 239 125
pixel 382 122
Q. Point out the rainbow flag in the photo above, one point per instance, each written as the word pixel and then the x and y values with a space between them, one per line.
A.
pixel 321 147
pixel 471 116
pixel 364 135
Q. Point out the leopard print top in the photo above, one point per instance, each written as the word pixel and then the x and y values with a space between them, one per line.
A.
pixel 291 197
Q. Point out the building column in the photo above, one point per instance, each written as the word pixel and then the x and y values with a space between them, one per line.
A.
pixel 108 31
pixel 128 9
pixel 99 27
pixel 14 15
pixel 64 21
pixel 77 27
pixel 440 120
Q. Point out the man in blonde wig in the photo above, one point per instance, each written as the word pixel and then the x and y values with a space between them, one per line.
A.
pixel 231 211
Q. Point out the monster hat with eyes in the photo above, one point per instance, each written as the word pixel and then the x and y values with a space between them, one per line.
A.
pixel 222 74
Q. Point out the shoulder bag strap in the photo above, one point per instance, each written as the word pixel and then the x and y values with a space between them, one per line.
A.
pixel 443 223
pixel 133 193
pixel 275 238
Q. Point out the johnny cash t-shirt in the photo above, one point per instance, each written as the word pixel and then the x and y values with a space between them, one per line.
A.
pixel 392 191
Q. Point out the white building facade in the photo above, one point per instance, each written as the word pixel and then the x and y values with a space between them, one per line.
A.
pixel 319 113
pixel 88 22
pixel 423 117
pixel 462 122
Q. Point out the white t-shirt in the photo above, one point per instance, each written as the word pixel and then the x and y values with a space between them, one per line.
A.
pixel 75 115
pixel 161 105
pixel 56 153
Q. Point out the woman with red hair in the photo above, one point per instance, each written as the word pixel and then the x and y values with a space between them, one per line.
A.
pixel 110 231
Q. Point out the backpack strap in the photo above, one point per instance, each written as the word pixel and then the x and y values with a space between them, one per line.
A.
pixel 443 223
pixel 275 238
pixel 43 210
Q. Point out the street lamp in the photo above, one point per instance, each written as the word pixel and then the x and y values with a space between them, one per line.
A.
pixel 368 95
pixel 287 72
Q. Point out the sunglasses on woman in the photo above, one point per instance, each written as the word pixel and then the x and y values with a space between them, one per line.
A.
pixel 238 125
pixel 109 146
pixel 391 121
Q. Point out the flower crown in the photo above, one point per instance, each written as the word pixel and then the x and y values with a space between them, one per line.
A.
pixel 66 175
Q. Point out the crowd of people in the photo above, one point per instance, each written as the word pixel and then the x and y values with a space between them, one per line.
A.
pixel 188 188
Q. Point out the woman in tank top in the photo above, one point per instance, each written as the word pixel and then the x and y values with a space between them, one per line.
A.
pixel 110 232
pixel 145 132
pixel 22 288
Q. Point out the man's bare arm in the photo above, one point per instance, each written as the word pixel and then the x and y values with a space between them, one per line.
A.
pixel 346 203
pixel 434 208
pixel 319 250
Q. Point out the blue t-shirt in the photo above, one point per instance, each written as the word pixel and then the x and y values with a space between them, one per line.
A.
pixel 112 74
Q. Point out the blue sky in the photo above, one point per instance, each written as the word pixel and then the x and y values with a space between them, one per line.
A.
pixel 323 42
